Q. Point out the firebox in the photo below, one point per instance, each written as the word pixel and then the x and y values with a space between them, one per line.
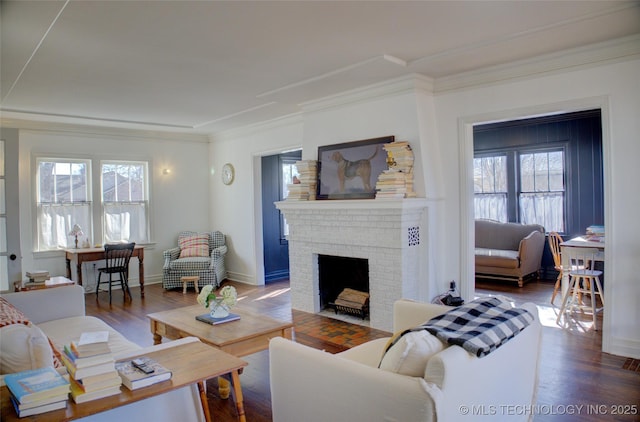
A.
pixel 337 273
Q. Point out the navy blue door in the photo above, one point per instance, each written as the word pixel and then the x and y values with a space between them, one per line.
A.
pixel 276 173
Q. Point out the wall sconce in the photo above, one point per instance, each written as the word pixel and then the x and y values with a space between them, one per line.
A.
pixel 166 171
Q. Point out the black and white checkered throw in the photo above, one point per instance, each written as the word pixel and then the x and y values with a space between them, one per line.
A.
pixel 481 326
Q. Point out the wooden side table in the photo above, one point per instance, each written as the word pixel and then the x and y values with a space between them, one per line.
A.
pixel 187 279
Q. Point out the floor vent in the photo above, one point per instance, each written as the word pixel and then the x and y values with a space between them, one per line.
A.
pixel 632 365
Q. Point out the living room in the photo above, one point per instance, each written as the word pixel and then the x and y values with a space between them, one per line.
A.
pixel 435 114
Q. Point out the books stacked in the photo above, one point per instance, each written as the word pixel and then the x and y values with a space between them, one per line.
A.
pixel 306 189
pixel 141 372
pixel 38 276
pixel 595 233
pixel 37 391
pixel 91 367
pixel 397 181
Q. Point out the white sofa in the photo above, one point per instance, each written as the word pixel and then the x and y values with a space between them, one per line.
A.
pixel 313 385
pixel 60 314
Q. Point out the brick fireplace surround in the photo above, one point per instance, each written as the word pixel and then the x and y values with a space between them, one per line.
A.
pixel 390 234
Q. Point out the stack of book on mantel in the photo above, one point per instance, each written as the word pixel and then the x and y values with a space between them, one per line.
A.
pixel 142 372
pixel 91 367
pixel 397 181
pixel 38 276
pixel 37 391
pixel 307 182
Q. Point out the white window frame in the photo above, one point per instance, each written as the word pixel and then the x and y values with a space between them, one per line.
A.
pixel 65 213
pixel 117 215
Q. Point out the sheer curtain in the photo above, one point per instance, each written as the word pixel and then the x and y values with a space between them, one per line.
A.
pixel 125 222
pixel 491 206
pixel 56 220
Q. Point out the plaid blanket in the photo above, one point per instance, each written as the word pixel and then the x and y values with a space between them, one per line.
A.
pixel 481 326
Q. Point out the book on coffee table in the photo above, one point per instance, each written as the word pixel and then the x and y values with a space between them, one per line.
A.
pixel 214 321
pixel 134 378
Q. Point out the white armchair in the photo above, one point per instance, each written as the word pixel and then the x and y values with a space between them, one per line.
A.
pixel 200 254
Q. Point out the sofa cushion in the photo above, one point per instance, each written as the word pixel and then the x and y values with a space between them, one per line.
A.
pixel 63 331
pixel 23 347
pixel 192 246
pixel 497 258
pixel 409 354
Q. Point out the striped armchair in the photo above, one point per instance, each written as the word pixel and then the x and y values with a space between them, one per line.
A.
pixel 190 260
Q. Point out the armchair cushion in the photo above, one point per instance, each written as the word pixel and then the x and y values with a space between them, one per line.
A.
pixel 192 246
pixel 409 354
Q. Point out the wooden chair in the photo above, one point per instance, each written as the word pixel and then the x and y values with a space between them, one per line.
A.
pixel 583 280
pixel 554 245
pixel 117 258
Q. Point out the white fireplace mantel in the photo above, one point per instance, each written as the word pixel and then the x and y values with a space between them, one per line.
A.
pixel 390 234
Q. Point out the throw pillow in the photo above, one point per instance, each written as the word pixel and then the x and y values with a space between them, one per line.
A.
pixel 410 353
pixel 194 246
pixel 10 315
pixel 24 347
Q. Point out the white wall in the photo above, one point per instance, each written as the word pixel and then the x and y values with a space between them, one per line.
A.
pixel 440 127
pixel 237 208
pixel 180 199
pixel 616 89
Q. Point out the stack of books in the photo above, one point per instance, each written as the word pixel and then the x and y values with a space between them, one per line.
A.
pixel 91 367
pixel 37 391
pixel 595 233
pixel 397 181
pixel 142 372
pixel 308 181
pixel 38 276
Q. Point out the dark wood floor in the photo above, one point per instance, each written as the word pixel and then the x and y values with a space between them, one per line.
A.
pixel 573 371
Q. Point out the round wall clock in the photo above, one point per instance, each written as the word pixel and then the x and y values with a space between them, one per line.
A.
pixel 227 174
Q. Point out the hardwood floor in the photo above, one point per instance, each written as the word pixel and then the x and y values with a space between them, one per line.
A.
pixel 573 371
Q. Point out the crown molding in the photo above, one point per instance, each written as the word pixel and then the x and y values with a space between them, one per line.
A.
pixel 621 49
pixel 55 127
pixel 392 87
pixel 248 130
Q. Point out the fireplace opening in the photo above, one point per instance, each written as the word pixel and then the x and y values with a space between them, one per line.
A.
pixel 337 273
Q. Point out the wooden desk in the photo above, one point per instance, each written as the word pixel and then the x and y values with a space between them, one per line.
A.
pixel 96 254
pixel 186 363
pixel 577 242
pixel 56 281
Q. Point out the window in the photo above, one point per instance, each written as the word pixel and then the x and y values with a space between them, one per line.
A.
pixel 527 186
pixel 63 199
pixel 490 187
pixel 125 201
pixel 542 190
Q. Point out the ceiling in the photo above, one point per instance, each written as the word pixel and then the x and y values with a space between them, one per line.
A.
pixel 208 66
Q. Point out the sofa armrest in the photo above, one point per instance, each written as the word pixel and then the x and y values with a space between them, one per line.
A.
pixel 170 255
pixel 530 252
pixel 49 304
pixel 408 313
pixel 313 385
pixel 218 252
pixel 450 371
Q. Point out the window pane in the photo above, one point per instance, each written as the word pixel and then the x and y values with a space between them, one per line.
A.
pixel 490 174
pixel 556 171
pixel 527 181
pixel 542 172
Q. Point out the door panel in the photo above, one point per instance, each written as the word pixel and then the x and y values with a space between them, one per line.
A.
pixel 10 255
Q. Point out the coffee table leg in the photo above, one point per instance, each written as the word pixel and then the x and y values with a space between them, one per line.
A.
pixel 224 387
pixel 237 391
pixel 203 400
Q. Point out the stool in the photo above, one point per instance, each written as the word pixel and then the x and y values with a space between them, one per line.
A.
pixel 187 279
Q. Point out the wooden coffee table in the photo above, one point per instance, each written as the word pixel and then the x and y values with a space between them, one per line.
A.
pixel 250 334
pixel 185 362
